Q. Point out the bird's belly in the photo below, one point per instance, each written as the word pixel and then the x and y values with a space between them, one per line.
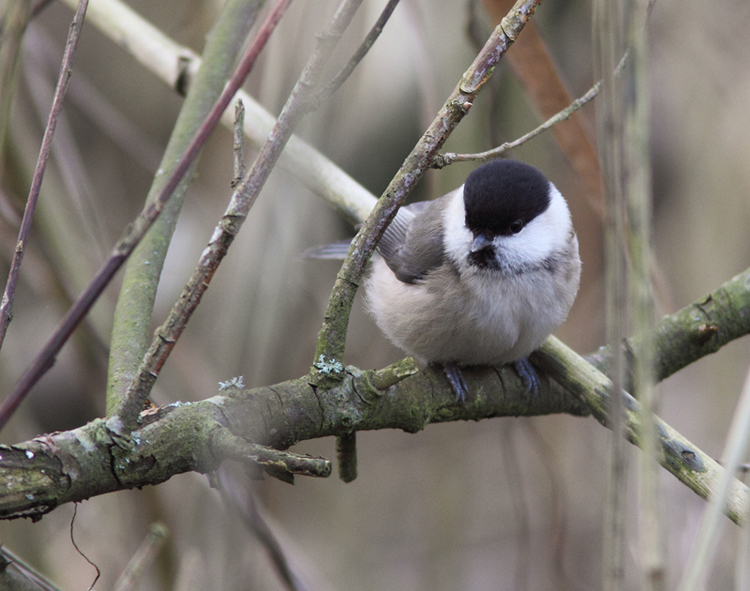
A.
pixel 436 323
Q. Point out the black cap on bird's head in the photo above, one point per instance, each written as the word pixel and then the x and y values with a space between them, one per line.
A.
pixel 502 196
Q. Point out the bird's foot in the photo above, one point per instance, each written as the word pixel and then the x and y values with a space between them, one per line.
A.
pixel 528 375
pixel 456 378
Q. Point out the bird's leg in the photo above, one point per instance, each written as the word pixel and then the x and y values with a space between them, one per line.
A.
pixel 528 375
pixel 456 378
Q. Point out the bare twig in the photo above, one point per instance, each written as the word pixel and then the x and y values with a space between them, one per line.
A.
pixel 242 200
pixel 283 465
pixel 238 150
pixel 442 160
pixel 534 67
pixel 135 232
pixel 336 82
pixel 735 449
pixel 251 510
pixel 41 165
pixel 144 556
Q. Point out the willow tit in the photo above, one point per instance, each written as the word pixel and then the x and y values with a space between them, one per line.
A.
pixel 480 276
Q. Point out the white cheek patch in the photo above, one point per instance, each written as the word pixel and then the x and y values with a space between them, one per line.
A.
pixel 544 235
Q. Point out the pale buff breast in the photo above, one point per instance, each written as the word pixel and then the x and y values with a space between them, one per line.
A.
pixel 442 320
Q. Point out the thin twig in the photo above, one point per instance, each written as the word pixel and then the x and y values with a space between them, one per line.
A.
pixel 253 516
pixel 242 200
pixel 442 160
pixel 336 82
pixel 238 150
pixel 448 158
pixel 144 556
pixel 533 66
pixel 86 558
pixel 135 231
pixel 41 165
pixel 280 464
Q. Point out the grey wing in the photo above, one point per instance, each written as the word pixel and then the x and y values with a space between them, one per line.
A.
pixel 413 243
pixel 390 245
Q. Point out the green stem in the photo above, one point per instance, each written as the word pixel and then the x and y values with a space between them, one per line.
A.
pixel 131 332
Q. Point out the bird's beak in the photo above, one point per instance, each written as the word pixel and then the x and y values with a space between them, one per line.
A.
pixel 480 242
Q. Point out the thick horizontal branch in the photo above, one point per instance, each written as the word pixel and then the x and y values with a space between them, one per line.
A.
pixel 95 459
pixel 38 475
pixel 695 331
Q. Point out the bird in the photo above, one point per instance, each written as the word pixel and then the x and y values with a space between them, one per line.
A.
pixel 480 276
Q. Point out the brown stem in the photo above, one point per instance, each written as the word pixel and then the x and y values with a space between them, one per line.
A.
pixel 41 166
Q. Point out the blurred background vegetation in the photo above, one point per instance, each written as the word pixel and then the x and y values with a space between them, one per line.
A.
pixel 500 504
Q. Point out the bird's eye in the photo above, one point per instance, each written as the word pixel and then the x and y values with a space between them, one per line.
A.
pixel 516 226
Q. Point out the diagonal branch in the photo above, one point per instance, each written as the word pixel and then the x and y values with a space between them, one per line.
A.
pixel 58 468
pixel 691 466
pixel 242 200
pixel 133 313
pixel 326 92
pixel 332 335
pixel 41 166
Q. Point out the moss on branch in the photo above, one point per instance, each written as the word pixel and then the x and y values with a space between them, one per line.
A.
pixel 40 474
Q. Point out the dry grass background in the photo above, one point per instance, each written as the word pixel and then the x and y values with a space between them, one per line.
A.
pixel 501 504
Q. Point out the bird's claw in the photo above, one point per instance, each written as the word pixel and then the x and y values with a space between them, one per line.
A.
pixel 528 375
pixel 456 378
